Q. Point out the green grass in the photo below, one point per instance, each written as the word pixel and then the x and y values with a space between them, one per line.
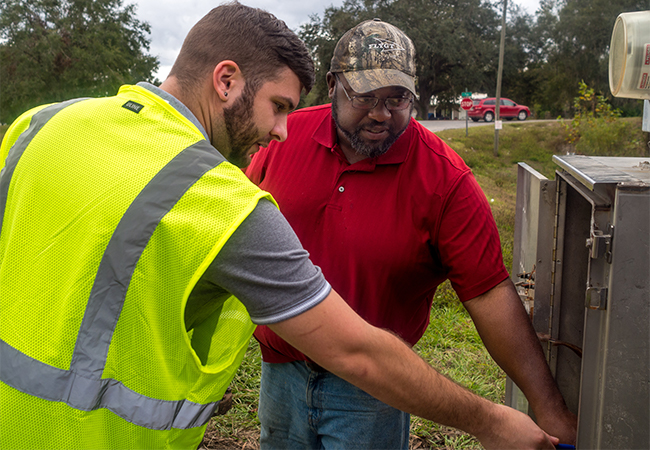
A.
pixel 453 346
pixel 240 426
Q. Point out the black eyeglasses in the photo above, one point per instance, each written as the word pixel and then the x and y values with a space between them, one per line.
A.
pixel 369 102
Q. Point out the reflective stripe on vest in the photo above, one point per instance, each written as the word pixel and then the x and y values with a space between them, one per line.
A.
pixel 81 386
pixel 38 120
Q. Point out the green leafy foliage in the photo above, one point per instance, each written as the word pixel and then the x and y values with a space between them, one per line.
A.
pixel 457 45
pixel 588 109
pixel 52 50
pixel 321 36
pixel 610 138
pixel 572 40
pixel 595 130
pixel 454 42
pixel 454 46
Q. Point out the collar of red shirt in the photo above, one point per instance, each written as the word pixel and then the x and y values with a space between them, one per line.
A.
pixel 325 135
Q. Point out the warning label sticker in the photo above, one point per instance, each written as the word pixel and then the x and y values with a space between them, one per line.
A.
pixel 644 79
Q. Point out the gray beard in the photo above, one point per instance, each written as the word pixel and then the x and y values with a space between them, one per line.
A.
pixel 360 146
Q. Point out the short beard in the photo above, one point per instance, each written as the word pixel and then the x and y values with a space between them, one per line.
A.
pixel 241 130
pixel 360 146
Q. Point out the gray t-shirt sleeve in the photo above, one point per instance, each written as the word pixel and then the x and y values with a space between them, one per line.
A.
pixel 264 265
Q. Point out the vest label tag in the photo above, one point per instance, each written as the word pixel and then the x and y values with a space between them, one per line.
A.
pixel 133 106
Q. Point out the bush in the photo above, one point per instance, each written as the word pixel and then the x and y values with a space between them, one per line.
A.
pixel 591 112
pixel 609 138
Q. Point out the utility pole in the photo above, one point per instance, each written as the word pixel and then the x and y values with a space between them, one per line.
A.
pixel 497 107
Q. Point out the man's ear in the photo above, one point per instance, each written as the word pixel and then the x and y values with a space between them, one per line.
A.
pixel 227 80
pixel 331 83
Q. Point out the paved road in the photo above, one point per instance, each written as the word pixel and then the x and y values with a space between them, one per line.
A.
pixel 439 125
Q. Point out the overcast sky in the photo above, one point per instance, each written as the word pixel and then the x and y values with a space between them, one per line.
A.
pixel 170 20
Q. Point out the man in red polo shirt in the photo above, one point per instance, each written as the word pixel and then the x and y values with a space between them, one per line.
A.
pixel 389 212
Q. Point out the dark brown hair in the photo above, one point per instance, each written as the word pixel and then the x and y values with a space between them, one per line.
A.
pixel 256 40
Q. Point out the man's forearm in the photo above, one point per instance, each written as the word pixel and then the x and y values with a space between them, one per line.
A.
pixel 385 367
pixel 508 335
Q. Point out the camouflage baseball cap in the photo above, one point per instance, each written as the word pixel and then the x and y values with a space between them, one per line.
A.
pixel 373 55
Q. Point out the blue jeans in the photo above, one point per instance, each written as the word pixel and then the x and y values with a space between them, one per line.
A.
pixel 303 409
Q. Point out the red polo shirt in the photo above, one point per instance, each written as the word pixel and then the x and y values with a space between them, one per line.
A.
pixel 385 231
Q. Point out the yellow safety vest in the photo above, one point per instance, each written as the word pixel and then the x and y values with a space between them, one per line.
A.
pixel 111 210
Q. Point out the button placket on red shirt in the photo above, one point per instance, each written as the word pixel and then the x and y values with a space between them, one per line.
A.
pixel 346 171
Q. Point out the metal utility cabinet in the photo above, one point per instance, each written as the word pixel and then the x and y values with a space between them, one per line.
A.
pixel 581 263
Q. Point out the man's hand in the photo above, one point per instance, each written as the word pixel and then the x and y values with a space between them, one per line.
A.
pixel 514 430
pixel 562 423
pixel 225 403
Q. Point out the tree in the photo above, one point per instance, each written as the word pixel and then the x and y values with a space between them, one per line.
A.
pixel 321 37
pixel 52 50
pixel 573 38
pixel 520 56
pixel 454 42
pixel 455 46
